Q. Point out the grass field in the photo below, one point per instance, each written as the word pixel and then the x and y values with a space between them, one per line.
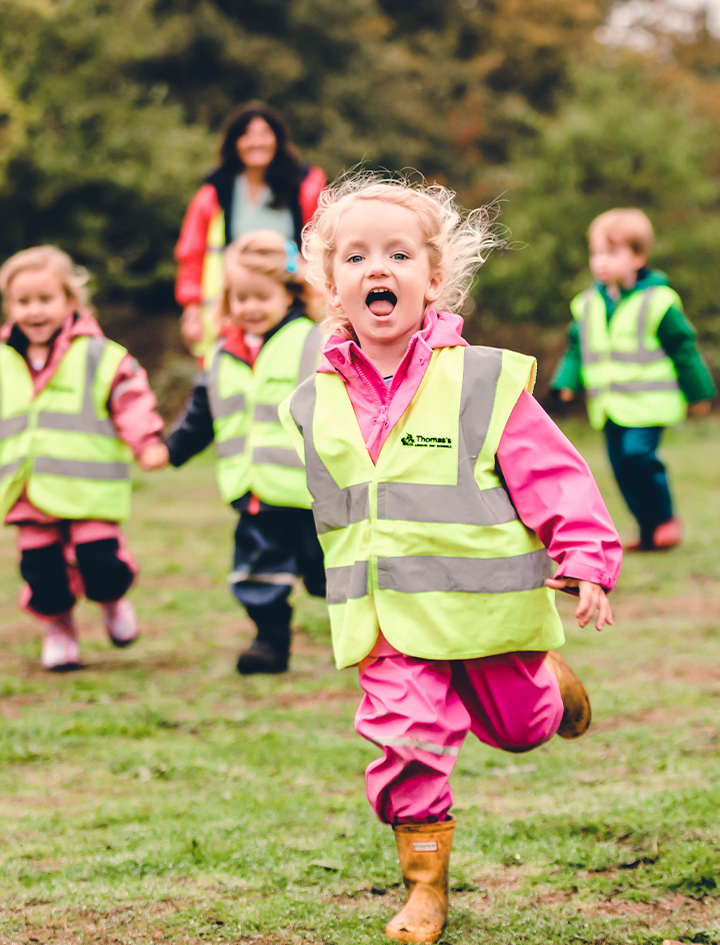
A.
pixel 155 796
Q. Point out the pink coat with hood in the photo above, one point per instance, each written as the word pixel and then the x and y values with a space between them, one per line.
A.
pixel 132 406
pixel 549 482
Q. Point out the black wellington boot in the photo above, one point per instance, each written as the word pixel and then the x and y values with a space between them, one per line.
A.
pixel 268 653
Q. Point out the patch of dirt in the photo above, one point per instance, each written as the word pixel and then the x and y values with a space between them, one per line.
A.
pixel 671 906
pixel 645 605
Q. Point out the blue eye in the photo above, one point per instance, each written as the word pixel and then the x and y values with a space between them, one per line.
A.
pixel 356 257
pixel 400 256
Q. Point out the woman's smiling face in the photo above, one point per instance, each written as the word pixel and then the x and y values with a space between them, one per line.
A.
pixel 382 278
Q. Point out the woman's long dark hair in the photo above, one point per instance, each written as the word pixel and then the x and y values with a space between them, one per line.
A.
pixel 284 172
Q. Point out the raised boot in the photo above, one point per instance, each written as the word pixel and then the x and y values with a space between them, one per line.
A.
pixel 424 853
pixel 268 653
pixel 576 702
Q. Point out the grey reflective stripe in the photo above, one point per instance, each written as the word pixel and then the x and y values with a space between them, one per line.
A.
pixel 10 468
pixel 282 578
pixel 277 456
pixel 587 355
pixel 333 507
pixel 87 421
pixel 231 447
pixel 222 406
pixel 266 413
pixel 416 574
pixel 347 583
pixel 342 508
pixel 634 387
pixel 640 357
pixel 309 356
pixel 81 468
pixel 417 743
pixel 13 425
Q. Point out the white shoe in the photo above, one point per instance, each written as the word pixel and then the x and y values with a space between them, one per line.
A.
pixel 120 622
pixel 60 650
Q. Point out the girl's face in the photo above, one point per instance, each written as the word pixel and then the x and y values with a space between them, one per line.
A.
pixel 256 147
pixel 256 302
pixel 38 304
pixel 382 279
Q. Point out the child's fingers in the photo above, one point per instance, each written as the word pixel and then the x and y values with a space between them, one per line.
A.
pixel 588 603
pixel 604 613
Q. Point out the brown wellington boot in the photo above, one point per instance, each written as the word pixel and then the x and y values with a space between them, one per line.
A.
pixel 576 702
pixel 424 852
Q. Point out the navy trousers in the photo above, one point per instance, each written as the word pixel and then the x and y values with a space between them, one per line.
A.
pixel 640 474
pixel 272 548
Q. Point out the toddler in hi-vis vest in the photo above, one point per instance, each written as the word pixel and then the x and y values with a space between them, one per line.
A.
pixel 268 345
pixel 439 488
pixel 74 409
pixel 633 350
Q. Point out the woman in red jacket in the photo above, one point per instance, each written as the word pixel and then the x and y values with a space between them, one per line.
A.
pixel 260 185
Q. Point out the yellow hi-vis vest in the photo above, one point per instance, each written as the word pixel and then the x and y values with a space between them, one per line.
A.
pixel 426 544
pixel 61 446
pixel 254 452
pixel 628 377
pixel 211 283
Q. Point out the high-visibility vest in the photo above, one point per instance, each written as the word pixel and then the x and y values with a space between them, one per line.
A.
pixel 426 543
pixel 61 446
pixel 628 377
pixel 211 283
pixel 254 452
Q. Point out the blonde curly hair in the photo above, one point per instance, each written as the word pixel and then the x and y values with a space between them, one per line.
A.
pixel 458 241
pixel 74 279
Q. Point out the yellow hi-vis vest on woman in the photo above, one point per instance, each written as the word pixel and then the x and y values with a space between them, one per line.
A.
pixel 255 454
pixel 426 544
pixel 61 446
pixel 627 375
pixel 211 283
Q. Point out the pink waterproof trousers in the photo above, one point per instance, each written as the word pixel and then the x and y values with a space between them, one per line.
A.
pixel 419 713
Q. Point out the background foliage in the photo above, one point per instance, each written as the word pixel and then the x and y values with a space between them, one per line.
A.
pixel 110 109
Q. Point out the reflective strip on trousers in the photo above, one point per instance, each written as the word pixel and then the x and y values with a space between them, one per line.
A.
pixel 277 456
pixel 81 468
pixel 87 420
pixel 416 743
pixel 231 447
pixel 240 575
pixel 417 574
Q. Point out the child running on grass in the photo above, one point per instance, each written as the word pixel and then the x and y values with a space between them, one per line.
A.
pixel 268 346
pixel 74 409
pixel 634 352
pixel 438 483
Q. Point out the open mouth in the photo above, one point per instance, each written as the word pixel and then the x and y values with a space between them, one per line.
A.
pixel 381 301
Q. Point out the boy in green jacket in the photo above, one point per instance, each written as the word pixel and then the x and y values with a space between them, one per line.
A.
pixel 633 350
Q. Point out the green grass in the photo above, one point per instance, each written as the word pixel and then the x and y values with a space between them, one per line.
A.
pixel 155 796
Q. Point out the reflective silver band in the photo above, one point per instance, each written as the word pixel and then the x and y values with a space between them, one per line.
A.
pixel 419 744
pixel 266 413
pixel 634 387
pixel 347 583
pixel 639 357
pixel 417 574
pixel 10 468
pixel 227 406
pixel 231 447
pixel 642 355
pixel 76 423
pixel 268 577
pixel 277 456
pixel 13 425
pixel 418 502
pixel 344 507
pixel 309 356
pixel 81 469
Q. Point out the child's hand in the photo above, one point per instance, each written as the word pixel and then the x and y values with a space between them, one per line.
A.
pixel 700 409
pixel 592 598
pixel 154 456
pixel 566 395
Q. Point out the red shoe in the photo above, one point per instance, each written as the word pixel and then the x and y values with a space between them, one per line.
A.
pixel 668 534
pixel 636 544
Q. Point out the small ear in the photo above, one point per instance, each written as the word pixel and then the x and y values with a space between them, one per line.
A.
pixel 333 296
pixel 434 287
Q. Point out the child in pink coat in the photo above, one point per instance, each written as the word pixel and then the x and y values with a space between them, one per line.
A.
pixel 416 527
pixel 46 303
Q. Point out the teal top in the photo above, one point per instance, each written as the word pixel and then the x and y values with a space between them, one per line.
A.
pixel 246 216
pixel 675 334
